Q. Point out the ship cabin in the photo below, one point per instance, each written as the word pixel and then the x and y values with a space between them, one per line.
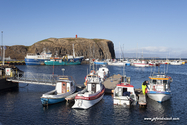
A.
pixel 64 85
pixel 124 89
pixel 93 83
pixel 159 83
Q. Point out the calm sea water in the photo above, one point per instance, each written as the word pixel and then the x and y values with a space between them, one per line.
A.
pixel 23 106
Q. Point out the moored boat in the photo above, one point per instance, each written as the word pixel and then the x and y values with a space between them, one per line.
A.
pixel 116 63
pixel 62 62
pixel 37 59
pixel 103 72
pixel 65 86
pixel 176 62
pixel 95 92
pixel 124 93
pixel 66 60
pixel 139 63
pixel 97 62
pixel 159 87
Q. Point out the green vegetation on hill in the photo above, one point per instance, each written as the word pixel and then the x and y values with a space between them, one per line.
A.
pixel 45 40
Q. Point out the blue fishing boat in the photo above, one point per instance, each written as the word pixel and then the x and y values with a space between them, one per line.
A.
pixel 97 62
pixel 65 86
pixel 159 87
pixel 37 59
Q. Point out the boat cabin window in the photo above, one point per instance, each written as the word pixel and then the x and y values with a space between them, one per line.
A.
pixel 165 81
pixel 119 91
pixel 125 92
pixel 63 84
pixel 154 81
pixel 93 85
pixel 71 84
pixel 159 81
pixel 116 92
pixel 93 76
pixel 124 89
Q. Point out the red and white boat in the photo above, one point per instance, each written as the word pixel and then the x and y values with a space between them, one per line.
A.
pixel 139 63
pixel 124 93
pixel 153 63
pixel 95 92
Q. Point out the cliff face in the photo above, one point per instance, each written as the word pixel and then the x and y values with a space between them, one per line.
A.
pixel 93 48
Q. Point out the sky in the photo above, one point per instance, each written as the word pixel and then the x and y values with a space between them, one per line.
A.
pixel 152 28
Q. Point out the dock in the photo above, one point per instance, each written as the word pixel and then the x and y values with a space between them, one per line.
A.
pixel 142 100
pixel 111 82
pixel 72 97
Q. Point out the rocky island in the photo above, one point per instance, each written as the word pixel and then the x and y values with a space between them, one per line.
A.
pixel 93 48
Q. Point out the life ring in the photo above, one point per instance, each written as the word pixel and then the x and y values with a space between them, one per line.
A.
pixel 92 71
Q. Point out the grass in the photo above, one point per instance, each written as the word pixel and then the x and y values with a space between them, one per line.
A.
pixel 71 39
pixel 45 40
pixel 97 40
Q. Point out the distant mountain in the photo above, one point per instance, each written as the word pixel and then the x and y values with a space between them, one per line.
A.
pixel 93 48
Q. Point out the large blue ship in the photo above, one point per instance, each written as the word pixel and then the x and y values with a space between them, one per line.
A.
pixel 37 59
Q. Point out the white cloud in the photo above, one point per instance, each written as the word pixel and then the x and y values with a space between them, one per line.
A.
pixel 155 49
pixel 150 51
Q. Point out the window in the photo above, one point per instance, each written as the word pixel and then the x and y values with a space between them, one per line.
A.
pixel 93 85
pixel 165 81
pixel 159 81
pixel 154 81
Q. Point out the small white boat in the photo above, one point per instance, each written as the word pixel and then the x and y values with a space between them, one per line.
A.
pixel 176 62
pixel 65 86
pixel 103 72
pixel 124 94
pixel 139 63
pixel 95 92
pixel 116 63
pixel 159 87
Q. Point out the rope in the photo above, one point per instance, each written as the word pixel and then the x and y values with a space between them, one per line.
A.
pixel 24 86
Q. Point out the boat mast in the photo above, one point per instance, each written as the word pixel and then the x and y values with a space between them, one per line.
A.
pixel 73 51
pixel 142 53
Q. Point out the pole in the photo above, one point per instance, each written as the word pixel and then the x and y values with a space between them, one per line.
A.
pixel 3 49
pixel 1 45
pixel 53 67
pixel 3 55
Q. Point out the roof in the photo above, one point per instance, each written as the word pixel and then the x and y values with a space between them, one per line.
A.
pixel 159 78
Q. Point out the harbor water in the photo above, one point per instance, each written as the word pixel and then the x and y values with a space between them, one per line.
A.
pixel 23 105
